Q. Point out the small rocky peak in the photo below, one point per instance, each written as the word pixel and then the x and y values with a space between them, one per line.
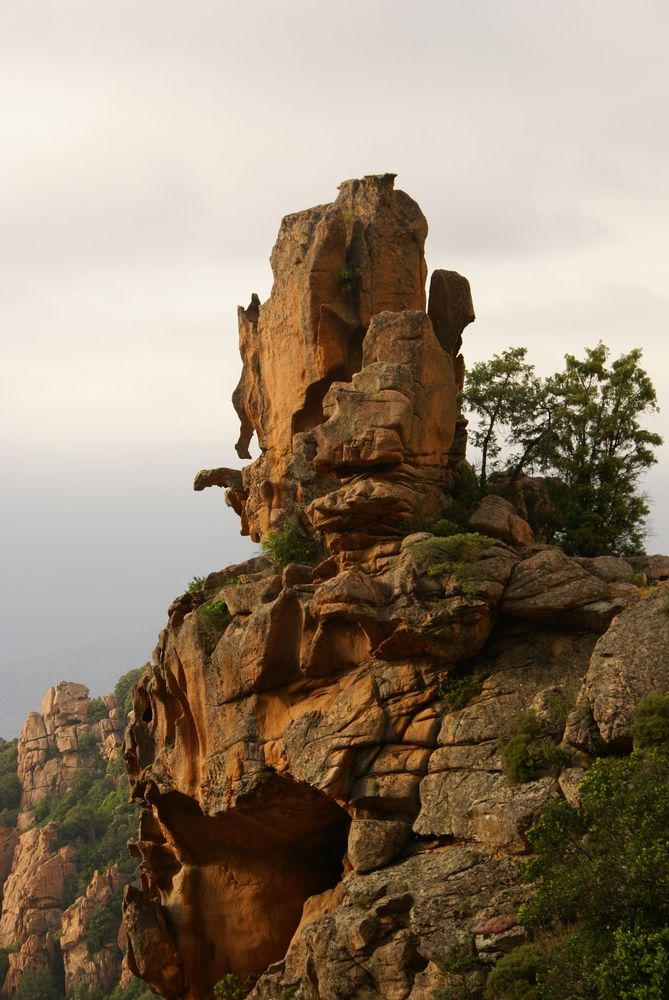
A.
pixel 349 386
pixel 57 741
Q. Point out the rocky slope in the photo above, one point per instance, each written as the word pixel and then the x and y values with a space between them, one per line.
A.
pixel 326 810
pixel 39 866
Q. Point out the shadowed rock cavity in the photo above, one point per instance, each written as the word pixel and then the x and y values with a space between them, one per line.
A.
pixel 229 888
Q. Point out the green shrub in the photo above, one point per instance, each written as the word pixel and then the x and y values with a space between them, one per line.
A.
pixel 229 988
pixel 291 545
pixel 4 963
pixel 123 689
pixel 463 969
pixel 515 975
pixel 215 612
pixel 10 786
pixel 103 923
pixel 97 711
pixel 349 276
pixel 10 792
pixel 80 992
pixel 651 722
pixel 87 742
pixel 136 990
pixel 526 752
pixel 584 711
pixel 458 691
pixel 453 555
pixel 601 902
pixel 196 586
pixel 464 546
pixel 8 756
pixel 638 966
pixel 95 814
pixel 38 984
pixel 442 527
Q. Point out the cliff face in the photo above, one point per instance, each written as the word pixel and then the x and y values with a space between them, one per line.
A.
pixel 37 867
pixel 325 809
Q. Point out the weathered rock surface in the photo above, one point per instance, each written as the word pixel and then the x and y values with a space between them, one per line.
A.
pixel 8 840
pixel 349 385
pixel 33 901
pixel 497 517
pixel 549 583
pixel 55 742
pixel 96 967
pixel 388 934
pixel 629 661
pixel 325 811
pixel 465 794
pixel 34 866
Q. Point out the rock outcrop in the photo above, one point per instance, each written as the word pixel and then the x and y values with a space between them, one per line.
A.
pixel 38 868
pixel 92 950
pixel 33 901
pixel 348 384
pixel 325 809
pixel 55 742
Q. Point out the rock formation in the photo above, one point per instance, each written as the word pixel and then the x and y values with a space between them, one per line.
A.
pixel 55 742
pixel 349 386
pixel 98 967
pixel 53 746
pixel 325 812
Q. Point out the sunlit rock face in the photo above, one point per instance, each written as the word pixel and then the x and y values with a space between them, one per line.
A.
pixel 84 966
pixel 56 742
pixel 349 386
pixel 325 812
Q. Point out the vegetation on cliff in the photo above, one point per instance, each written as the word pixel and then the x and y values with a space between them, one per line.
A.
pixel 10 786
pixel 600 910
pixel 581 427
pixel 94 817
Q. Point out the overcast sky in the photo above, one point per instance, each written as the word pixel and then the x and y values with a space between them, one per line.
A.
pixel 148 150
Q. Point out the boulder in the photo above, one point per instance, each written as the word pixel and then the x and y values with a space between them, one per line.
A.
pixel 495 516
pixel 550 583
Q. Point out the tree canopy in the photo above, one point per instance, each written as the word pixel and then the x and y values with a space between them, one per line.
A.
pixel 580 426
pixel 599 912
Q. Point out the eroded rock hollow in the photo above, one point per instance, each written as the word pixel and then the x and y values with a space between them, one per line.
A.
pixel 316 746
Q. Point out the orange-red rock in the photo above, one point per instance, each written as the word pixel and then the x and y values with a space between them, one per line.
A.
pixel 343 372
pixel 325 808
pixel 97 968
